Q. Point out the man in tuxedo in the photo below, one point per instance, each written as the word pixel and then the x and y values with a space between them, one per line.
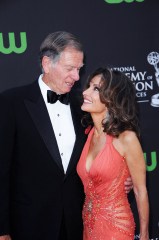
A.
pixel 41 138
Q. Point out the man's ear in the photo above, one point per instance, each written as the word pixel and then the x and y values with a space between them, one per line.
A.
pixel 46 64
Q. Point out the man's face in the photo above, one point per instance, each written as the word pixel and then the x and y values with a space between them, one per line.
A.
pixel 61 75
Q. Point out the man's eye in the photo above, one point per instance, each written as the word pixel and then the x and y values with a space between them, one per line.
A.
pixel 69 69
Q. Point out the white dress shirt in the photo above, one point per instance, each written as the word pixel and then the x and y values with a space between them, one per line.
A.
pixel 61 120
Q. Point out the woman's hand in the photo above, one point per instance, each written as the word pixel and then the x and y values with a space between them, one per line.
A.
pixel 5 237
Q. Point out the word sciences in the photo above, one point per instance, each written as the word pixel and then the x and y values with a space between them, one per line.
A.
pixel 142 81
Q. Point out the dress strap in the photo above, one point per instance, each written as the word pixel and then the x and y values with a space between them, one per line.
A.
pixel 109 138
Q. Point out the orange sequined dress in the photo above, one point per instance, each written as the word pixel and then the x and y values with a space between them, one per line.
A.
pixel 106 212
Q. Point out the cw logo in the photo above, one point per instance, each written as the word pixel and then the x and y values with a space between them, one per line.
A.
pixel 12 46
pixel 153 164
pixel 120 1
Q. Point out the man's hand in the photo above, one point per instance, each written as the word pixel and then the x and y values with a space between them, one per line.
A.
pixel 5 237
pixel 128 185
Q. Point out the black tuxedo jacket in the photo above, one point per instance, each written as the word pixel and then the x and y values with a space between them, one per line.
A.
pixel 35 194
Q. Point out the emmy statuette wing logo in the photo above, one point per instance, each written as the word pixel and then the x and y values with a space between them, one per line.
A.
pixel 153 59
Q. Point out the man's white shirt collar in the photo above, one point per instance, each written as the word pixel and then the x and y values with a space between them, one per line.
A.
pixel 61 120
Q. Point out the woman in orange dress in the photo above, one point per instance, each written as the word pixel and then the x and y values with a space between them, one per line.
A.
pixel 111 154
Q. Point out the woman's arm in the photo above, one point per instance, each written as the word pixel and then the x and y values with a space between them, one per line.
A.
pixel 135 160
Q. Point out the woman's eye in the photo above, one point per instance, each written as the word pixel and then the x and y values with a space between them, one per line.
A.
pixel 96 89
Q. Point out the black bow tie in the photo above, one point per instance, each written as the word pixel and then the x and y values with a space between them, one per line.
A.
pixel 52 97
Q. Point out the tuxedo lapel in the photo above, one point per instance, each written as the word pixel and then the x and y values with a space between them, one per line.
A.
pixel 80 137
pixel 39 114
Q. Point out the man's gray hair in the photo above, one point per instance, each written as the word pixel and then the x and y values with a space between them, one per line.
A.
pixel 56 42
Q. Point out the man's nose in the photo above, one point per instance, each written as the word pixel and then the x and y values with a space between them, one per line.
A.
pixel 75 74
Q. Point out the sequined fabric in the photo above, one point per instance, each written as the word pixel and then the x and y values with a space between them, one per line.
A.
pixel 106 212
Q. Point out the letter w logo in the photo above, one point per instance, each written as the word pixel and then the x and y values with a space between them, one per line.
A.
pixel 12 46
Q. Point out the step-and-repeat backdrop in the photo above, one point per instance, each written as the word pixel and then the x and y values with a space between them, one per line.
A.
pixel 123 34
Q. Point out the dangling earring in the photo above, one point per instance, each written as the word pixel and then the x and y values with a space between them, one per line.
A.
pixel 106 119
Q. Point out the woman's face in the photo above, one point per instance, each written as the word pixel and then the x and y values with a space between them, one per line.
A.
pixel 92 102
